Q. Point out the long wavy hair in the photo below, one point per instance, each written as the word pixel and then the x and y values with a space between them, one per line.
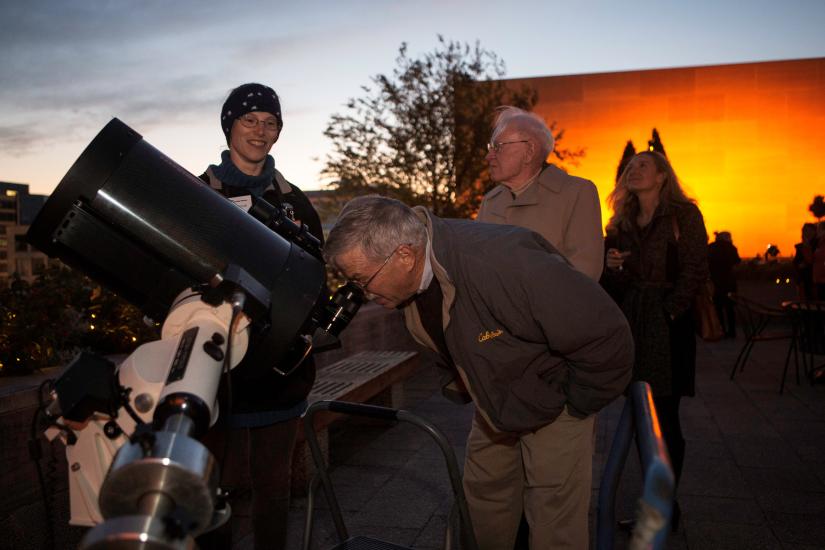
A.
pixel 625 204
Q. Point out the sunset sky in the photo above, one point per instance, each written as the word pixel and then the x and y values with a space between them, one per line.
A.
pixel 164 67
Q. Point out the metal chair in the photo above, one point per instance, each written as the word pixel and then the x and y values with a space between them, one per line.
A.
pixel 808 338
pixel 754 319
pixel 458 514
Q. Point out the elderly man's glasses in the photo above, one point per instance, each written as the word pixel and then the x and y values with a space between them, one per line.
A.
pixel 496 147
pixel 251 121
pixel 363 286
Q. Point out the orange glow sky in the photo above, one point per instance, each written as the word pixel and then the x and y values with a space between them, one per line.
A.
pixel 746 140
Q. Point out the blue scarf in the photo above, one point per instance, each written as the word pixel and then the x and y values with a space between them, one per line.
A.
pixel 229 174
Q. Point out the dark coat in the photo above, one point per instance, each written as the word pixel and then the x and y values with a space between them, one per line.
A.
pixel 528 333
pixel 722 257
pixel 656 290
pixel 255 387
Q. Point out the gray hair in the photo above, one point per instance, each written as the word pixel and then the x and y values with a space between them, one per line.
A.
pixel 377 225
pixel 529 123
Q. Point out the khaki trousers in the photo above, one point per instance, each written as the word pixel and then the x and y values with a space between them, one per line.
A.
pixel 546 474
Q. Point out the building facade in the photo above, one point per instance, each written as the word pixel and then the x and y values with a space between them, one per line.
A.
pixel 18 209
pixel 746 139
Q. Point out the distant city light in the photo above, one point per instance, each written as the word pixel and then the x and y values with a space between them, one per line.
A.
pixel 91 327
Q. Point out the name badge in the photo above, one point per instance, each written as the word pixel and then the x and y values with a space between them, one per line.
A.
pixel 244 202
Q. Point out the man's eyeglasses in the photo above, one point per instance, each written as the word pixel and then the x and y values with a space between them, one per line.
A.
pixel 496 147
pixel 363 286
pixel 251 121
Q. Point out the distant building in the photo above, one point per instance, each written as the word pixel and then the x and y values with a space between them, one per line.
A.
pixel 18 209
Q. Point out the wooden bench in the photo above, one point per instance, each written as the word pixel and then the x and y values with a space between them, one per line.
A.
pixel 373 376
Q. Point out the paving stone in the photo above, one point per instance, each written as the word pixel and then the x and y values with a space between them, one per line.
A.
pixel 395 535
pixel 793 528
pixel 717 535
pixel 818 468
pixel 705 452
pixel 701 428
pixel 792 502
pixel 719 478
pixel 432 535
pixel 389 511
pixel 721 509
pixel 801 479
pixel 365 476
pixel 379 457
pixel 764 452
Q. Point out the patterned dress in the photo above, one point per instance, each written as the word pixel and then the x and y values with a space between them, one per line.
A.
pixel 656 288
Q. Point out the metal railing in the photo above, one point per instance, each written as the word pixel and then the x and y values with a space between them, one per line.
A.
pixel 465 533
pixel 656 502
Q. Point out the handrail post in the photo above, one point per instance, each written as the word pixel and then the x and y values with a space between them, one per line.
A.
pixel 606 513
pixel 638 418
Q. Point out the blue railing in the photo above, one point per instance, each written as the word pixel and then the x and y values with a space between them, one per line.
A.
pixel 656 503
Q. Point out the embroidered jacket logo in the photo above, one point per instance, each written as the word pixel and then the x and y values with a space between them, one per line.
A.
pixel 489 335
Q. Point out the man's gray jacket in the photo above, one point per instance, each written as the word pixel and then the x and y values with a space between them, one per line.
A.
pixel 527 333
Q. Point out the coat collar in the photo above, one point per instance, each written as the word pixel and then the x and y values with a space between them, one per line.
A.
pixel 447 285
pixel 550 178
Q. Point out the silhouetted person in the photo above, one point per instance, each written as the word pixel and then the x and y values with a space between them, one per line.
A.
pixel 722 257
pixel 803 262
pixel 819 262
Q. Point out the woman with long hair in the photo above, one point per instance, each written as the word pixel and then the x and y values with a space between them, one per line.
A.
pixel 656 262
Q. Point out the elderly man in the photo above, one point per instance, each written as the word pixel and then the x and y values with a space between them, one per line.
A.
pixel 539 196
pixel 539 355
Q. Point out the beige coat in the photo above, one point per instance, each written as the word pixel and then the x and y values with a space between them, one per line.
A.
pixel 561 208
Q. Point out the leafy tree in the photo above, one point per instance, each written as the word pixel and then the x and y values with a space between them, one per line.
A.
pixel 45 323
pixel 655 143
pixel 628 153
pixel 420 134
pixel 817 208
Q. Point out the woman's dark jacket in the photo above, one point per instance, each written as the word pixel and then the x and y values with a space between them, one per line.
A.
pixel 257 388
pixel 656 289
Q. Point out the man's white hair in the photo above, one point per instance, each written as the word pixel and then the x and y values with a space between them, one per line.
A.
pixel 377 225
pixel 529 123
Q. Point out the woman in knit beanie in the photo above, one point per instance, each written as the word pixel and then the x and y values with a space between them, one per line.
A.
pixel 266 405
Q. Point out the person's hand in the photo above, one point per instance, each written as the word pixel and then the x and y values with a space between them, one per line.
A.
pixel 615 258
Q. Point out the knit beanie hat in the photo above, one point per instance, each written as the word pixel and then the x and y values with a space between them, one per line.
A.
pixel 247 98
